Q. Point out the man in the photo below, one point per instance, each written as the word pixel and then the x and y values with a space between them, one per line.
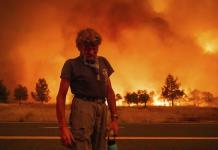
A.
pixel 88 77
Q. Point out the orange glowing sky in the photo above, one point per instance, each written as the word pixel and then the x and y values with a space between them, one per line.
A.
pixel 143 40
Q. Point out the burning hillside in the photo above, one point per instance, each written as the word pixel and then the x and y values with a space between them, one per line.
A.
pixel 144 41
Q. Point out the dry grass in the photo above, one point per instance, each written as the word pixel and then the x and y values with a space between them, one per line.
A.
pixel 28 112
pixel 168 114
pixel 46 113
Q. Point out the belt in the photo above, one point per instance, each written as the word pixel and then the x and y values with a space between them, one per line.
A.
pixel 91 99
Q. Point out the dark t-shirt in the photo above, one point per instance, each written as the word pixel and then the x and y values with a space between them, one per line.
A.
pixel 83 79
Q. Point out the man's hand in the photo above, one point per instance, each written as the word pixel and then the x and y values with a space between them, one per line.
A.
pixel 66 136
pixel 114 126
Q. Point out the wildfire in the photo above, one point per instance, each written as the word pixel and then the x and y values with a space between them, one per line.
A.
pixel 208 42
pixel 143 41
pixel 155 100
pixel 159 102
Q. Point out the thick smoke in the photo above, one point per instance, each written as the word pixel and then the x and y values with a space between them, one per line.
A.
pixel 144 40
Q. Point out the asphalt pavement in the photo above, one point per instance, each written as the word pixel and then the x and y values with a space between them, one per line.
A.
pixel 169 136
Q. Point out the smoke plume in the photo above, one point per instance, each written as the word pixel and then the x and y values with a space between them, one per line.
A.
pixel 143 40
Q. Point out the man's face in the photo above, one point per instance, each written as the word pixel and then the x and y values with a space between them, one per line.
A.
pixel 90 52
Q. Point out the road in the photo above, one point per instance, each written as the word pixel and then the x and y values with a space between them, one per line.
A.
pixel 182 136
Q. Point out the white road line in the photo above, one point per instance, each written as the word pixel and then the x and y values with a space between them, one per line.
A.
pixel 28 122
pixel 51 127
pixel 166 138
pixel 188 123
pixel 29 137
pixel 11 122
pixel 68 127
pixel 118 138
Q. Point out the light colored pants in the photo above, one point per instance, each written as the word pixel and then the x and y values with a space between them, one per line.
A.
pixel 88 121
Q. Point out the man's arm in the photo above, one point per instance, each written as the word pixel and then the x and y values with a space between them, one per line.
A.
pixel 61 99
pixel 111 99
pixel 112 106
pixel 66 135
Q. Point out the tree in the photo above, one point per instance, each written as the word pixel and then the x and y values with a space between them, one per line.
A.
pixel 143 96
pixel 4 93
pixel 170 90
pixel 208 97
pixel 198 97
pixel 195 97
pixel 134 97
pixel 20 93
pixel 42 91
pixel 131 98
pixel 118 97
pixel 128 98
pixel 140 96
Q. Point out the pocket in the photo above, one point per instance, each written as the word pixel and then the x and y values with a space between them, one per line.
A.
pixel 78 126
pixel 79 134
pixel 82 116
pixel 73 111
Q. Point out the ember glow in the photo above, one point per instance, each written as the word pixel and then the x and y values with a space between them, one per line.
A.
pixel 144 41
pixel 157 101
pixel 209 42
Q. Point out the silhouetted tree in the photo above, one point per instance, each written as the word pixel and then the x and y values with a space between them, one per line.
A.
pixel 4 93
pixel 170 90
pixel 135 99
pixel 208 97
pixel 198 97
pixel 131 98
pixel 42 91
pixel 127 98
pixel 143 96
pixel 21 93
pixel 195 97
pixel 118 97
